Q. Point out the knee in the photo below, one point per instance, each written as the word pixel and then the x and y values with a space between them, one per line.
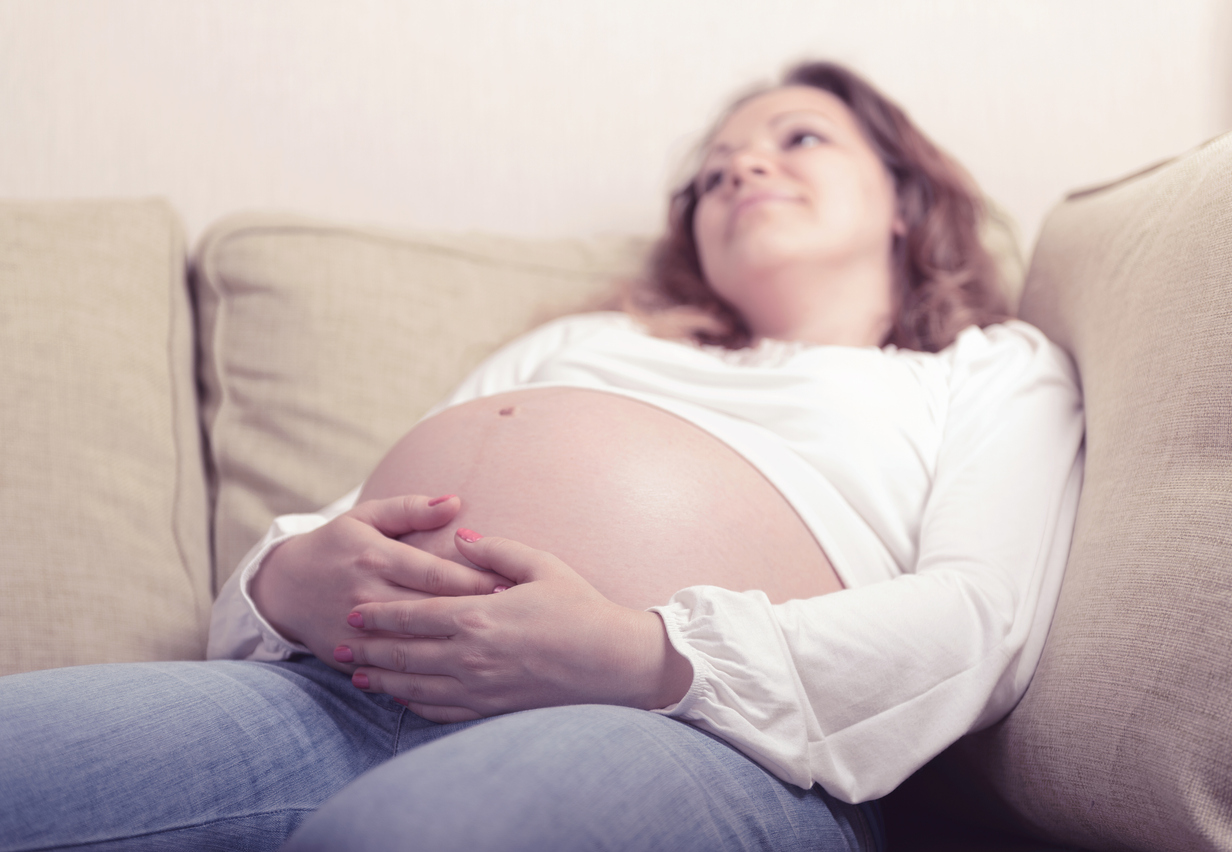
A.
pixel 532 780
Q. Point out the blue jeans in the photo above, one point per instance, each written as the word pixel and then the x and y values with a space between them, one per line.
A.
pixel 238 755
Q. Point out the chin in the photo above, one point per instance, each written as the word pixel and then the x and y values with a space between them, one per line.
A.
pixel 775 241
pixel 742 269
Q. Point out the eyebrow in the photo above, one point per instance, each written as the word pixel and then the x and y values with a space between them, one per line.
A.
pixel 777 120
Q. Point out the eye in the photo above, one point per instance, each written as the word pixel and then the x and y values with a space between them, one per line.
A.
pixel 804 139
pixel 710 180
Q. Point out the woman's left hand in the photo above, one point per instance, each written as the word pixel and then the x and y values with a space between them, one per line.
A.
pixel 549 640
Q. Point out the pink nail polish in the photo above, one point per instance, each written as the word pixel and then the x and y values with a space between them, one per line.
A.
pixel 468 535
pixel 343 654
pixel 439 500
pixel 500 589
pixel 360 679
pixel 356 620
pixel 402 701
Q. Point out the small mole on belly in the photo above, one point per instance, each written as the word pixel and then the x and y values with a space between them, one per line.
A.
pixel 508 411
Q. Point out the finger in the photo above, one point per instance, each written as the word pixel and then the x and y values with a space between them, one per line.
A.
pixel 506 557
pixel 400 654
pixel 412 568
pixel 433 617
pixel 395 516
pixel 442 715
pixel 435 690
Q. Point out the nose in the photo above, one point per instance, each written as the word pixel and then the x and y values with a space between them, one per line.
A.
pixel 748 163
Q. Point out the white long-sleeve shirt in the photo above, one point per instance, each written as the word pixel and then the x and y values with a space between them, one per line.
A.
pixel 942 487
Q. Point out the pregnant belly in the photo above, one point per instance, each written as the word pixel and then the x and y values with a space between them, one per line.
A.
pixel 638 501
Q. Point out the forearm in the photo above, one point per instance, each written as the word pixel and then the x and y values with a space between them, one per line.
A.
pixel 853 691
pixel 856 690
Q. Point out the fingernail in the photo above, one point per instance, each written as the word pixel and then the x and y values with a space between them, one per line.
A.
pixel 343 654
pixel 499 589
pixel 468 535
pixel 360 679
pixel 356 620
pixel 402 701
pixel 439 500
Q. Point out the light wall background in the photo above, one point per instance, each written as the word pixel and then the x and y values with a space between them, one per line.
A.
pixel 548 117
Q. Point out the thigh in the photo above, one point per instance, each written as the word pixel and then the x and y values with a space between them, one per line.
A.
pixel 579 778
pixel 219 755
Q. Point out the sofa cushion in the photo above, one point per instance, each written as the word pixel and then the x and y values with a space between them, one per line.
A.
pixel 1124 738
pixel 322 344
pixel 104 554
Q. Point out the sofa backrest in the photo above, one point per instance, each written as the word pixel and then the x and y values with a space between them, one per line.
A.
pixel 1124 738
pixel 104 545
pixel 322 343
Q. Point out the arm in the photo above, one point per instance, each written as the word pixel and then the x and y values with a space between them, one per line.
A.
pixel 858 689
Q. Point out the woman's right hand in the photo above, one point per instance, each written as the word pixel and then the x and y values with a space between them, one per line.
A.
pixel 308 585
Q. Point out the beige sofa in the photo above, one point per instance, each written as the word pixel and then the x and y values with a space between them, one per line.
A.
pixel 155 420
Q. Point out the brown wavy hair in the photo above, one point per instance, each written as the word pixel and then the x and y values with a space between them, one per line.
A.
pixel 945 278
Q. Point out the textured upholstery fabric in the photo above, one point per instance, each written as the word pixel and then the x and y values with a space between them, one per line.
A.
pixel 1124 739
pixel 322 344
pixel 104 550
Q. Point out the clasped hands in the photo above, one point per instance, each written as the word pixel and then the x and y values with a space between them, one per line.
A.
pixel 441 639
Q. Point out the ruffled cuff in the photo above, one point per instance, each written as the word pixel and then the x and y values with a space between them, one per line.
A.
pixel 745 688
pixel 673 615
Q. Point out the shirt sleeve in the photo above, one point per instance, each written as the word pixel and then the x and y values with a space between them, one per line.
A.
pixel 856 690
pixel 237 630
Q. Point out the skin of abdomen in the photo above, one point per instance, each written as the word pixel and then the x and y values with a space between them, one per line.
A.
pixel 638 501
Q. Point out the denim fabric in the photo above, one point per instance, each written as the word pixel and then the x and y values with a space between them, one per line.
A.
pixel 236 755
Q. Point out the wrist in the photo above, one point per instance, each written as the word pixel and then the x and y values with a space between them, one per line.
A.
pixel 664 674
pixel 267 591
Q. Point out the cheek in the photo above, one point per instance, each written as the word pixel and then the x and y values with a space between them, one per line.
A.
pixel 886 199
pixel 703 221
pixel 869 212
pixel 867 192
pixel 706 234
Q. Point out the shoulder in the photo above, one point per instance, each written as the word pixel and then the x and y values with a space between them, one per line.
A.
pixel 1011 372
pixel 1004 338
pixel 569 330
pixel 1007 351
pixel 572 327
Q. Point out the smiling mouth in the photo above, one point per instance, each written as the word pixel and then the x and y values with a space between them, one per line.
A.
pixel 758 199
pixel 755 202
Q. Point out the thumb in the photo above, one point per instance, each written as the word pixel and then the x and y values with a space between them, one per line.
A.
pixel 395 516
pixel 506 557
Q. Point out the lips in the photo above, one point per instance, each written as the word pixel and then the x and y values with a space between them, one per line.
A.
pixel 755 199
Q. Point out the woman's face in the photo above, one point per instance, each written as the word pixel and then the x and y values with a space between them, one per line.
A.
pixel 797 215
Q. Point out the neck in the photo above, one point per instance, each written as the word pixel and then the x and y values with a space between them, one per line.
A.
pixel 841 306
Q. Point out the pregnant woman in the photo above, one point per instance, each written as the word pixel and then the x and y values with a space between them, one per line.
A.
pixel 712 573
